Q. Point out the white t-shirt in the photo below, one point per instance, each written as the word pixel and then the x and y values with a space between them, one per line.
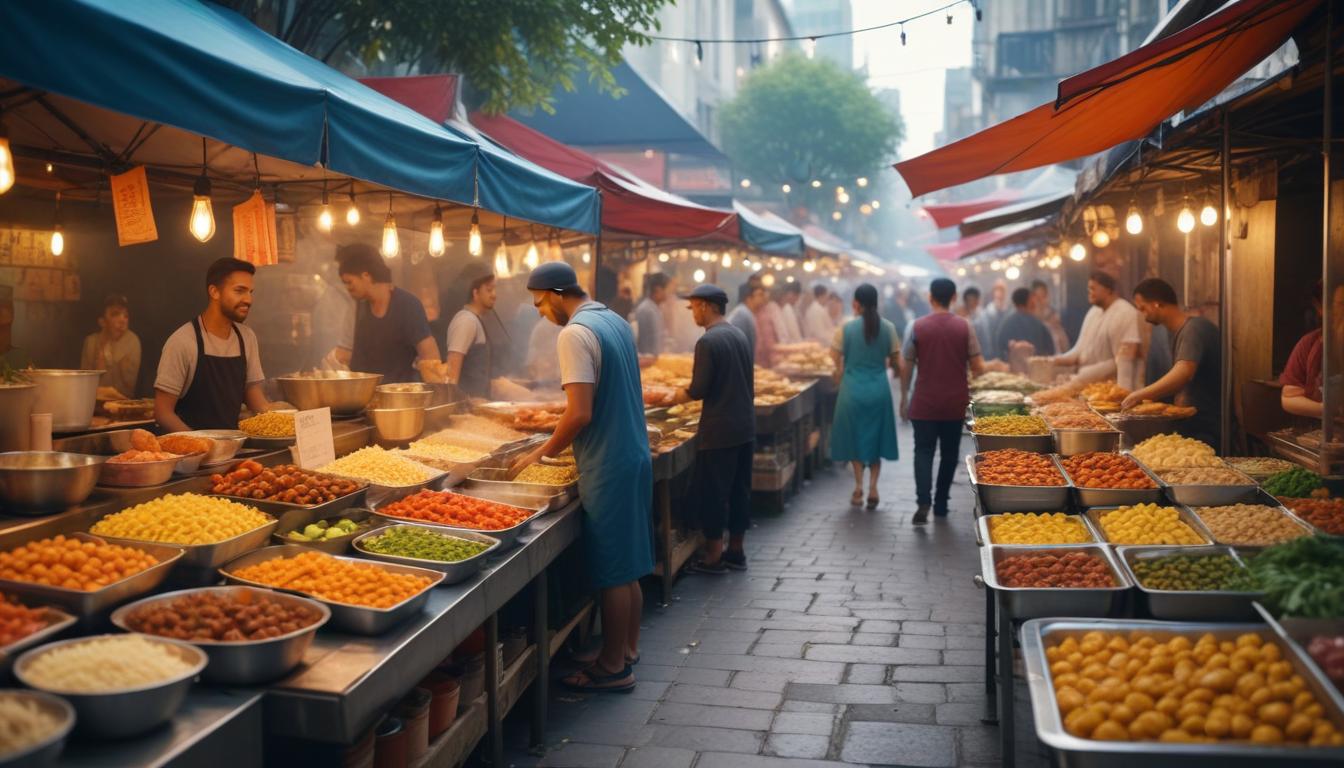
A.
pixel 579 352
pixel 1100 338
pixel 464 331
pixel 787 329
pixel 177 363
pixel 817 323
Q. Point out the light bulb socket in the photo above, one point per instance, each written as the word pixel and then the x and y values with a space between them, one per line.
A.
pixel 202 187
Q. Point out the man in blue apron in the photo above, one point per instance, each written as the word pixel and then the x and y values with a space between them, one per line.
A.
pixel 472 352
pixel 211 366
pixel 604 420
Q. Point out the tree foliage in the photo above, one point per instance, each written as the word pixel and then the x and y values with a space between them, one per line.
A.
pixel 513 53
pixel 800 119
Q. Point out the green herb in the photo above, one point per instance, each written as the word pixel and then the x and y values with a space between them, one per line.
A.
pixel 11 375
pixel 1296 483
pixel 1303 577
pixel 424 545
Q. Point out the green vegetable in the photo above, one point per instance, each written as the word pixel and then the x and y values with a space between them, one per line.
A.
pixel 1303 577
pixel 423 544
pixel 1191 573
pixel 1295 483
pixel 324 530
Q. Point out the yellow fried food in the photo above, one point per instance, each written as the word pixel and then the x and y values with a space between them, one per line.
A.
pixel 1037 528
pixel 1163 451
pixel 380 466
pixel 1249 525
pixel 269 424
pixel 1010 425
pixel 1147 524
pixel 183 518
pixel 545 474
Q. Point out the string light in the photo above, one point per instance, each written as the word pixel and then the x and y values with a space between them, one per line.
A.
pixel 437 245
pixel 1078 251
pixel 768 280
pixel 756 266
pixel 391 242
pixel 202 221
pixel 816 183
pixel 50 168
pixel 532 258
pixel 1208 215
pixel 902 35
pixel 961 271
pixel 836 215
pixel 877 204
pixel 502 260
pixel 1185 220
pixel 727 261
pixel 862 181
pixel 1101 238
pixel 1133 221
pixel 587 256
pixel 698 275
pixel 746 183
pixel 810 47
pixel 810 265
pixel 7 174
pixel 1012 273
pixel 474 236
pixel 664 257
pixel 786 189
pixel 842 198
pixel 324 217
pixel 866 209
pixel 57 237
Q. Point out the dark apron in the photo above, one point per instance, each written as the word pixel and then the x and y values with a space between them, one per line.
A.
pixel 477 365
pixel 216 392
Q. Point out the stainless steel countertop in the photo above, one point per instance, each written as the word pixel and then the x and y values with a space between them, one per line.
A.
pixel 216 728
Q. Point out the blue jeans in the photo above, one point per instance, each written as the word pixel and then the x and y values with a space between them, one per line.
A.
pixel 944 436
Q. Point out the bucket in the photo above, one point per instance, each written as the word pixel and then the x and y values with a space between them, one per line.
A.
pixel 360 755
pixel 413 710
pixel 390 749
pixel 444 690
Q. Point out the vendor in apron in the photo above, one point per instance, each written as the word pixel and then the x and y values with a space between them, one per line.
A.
pixel 391 330
pixel 604 420
pixel 475 354
pixel 210 367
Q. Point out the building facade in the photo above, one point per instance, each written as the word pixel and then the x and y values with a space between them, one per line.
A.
pixel 818 17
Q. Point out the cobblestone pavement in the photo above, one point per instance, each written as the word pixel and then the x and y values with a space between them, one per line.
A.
pixel 854 638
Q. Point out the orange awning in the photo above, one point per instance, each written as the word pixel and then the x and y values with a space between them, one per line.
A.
pixel 1121 100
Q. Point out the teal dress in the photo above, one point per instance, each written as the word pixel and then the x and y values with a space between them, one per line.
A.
pixel 612 454
pixel 864 429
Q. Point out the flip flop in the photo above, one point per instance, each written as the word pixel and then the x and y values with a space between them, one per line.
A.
pixel 600 682
pixel 588 658
pixel 856 499
pixel 872 502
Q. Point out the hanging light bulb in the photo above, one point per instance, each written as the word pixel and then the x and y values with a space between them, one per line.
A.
pixel 862 181
pixel 810 265
pixel 961 271
pixel 325 220
pixel 202 222
pixel 1208 215
pixel 352 212
pixel 1078 251
pixel 502 260
pixel 474 236
pixel 532 258
pixel 7 175
pixel 391 242
pixel 786 189
pixel 816 183
pixel 698 275
pixel 1101 238
pixel 727 261
pixel 1133 221
pixel 1185 220
pixel 768 280
pixel 587 256
pixel 877 204
pixel 756 266
pixel 57 237
pixel 1012 273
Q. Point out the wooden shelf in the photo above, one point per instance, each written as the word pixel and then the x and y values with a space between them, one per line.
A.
pixel 455 745
pixel 559 637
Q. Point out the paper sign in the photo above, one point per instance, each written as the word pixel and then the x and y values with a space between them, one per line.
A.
pixel 312 438
pixel 130 204
pixel 254 231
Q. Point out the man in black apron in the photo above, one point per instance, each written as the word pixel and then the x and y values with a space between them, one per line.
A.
pixel 211 366
pixel 391 330
pixel 472 349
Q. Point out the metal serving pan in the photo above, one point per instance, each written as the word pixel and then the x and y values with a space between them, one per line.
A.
pixel 337 546
pixel 1033 443
pixel 137 474
pixel 1115 497
pixel 244 662
pixel 286 512
pixel 1074 751
pixel 453 572
pixel 983 523
pixel 507 537
pixel 1203 495
pixel 84 604
pixel 47 750
pixel 390 492
pixel 209 556
pixel 1071 442
pixel 487 479
pixel 1298 632
pixel 1187 605
pixel 1019 498
pixel 1027 602
pixel 1189 518
pixel 57 622
pixel 360 620
pixel 1307 528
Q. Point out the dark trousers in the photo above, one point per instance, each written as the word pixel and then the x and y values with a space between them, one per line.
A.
pixel 944 436
pixel 723 489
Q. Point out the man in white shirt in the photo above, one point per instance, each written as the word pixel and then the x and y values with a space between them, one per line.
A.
pixel 471 357
pixel 817 325
pixel 787 328
pixel 650 329
pixel 1108 343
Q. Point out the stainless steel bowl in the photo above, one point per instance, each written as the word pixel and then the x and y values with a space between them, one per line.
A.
pixel 46 481
pixel 409 395
pixel 337 546
pixel 189 463
pixel 137 474
pixel 397 425
pixel 344 392
pixel 69 396
pixel 246 662
pixel 226 443
pixel 47 750
pixel 118 714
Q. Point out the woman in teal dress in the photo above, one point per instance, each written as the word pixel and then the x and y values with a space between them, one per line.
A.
pixel 864 430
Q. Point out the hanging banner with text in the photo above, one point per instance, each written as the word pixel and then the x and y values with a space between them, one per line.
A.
pixel 313 441
pixel 131 208
pixel 254 231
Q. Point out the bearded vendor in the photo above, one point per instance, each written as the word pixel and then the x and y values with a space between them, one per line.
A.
pixel 474 353
pixel 604 420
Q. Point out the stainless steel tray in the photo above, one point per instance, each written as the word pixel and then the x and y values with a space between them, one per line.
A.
pixel 1094 517
pixel 497 479
pixel 1033 443
pixel 1298 632
pixel 507 537
pixel 453 572
pixel 1019 498
pixel 337 546
pixel 384 493
pixel 210 556
pixel 1115 497
pixel 1074 751
pixel 983 534
pixel 57 622
pixel 1071 442
pixel 1204 495
pixel 245 662
pixel 269 443
pixel 84 604
pixel 284 511
pixel 1027 602
pixel 1307 528
pixel 358 619
pixel 1189 605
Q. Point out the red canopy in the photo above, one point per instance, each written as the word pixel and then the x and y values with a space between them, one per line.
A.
pixel 952 214
pixel 1122 100
pixel 434 96
pixel 983 241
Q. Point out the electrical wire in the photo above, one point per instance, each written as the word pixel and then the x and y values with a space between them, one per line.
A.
pixel 818 36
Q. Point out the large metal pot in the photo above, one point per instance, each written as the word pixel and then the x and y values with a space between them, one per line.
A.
pixel 46 481
pixel 69 396
pixel 345 392
pixel 16 405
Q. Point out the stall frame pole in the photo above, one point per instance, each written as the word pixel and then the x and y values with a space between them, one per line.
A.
pixel 1224 310
pixel 541 639
pixel 1329 361
pixel 495 728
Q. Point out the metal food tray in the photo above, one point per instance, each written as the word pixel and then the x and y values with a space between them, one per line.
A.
pixel 1071 442
pixel 1031 602
pixel 359 619
pixel 337 546
pixel 983 535
pixel 1205 495
pixel 1033 443
pixel 1116 497
pixel 384 493
pixel 497 480
pixel 1074 751
pixel 1307 528
pixel 1020 498
pixel 1298 631
pixel 454 472
pixel 57 622
pixel 83 603
pixel 507 537
pixel 1189 605
pixel 1186 516
pixel 453 572
pixel 208 556
pixel 286 512
pixel 269 443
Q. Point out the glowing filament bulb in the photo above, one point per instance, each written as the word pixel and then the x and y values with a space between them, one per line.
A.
pixel 202 221
pixel 474 237
pixel 1134 222
pixel 502 261
pixel 1185 221
pixel 1078 252
pixel 533 258
pixel 1208 215
pixel 352 213
pixel 391 242
pixel 437 246
pixel 6 165
pixel 57 242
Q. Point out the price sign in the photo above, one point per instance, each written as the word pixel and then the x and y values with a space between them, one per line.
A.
pixel 312 437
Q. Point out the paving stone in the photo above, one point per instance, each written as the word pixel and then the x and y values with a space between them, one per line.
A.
pixel 866 674
pixel 716 760
pixel 654 672
pixel 803 636
pixel 705 716
pixel 899 744
pixel 841 694
pixel 921 693
pixel 922 628
pixel 966 643
pixel 937 674
pixel 813 723
pixel 871 654
pixel 966 692
pixel 778 650
pixel 700 676
pixel 707 739
pixel 803 671
pixel 658 757
pixel 964 657
pixel 577 755
pixel 872 638
pixel 978 745
pixel 810 707
pixel 591 730
pixel 724 697
pixel 797 745
pixel 649 690
pixel 960 713
pixel 932 642
pixel 760 681
pixel 880 626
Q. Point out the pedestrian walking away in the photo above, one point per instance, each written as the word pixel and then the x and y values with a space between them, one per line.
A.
pixel 864 429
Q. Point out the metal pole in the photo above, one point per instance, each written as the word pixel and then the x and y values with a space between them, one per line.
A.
pixel 493 680
pixel 1330 395
pixel 1225 268
pixel 541 637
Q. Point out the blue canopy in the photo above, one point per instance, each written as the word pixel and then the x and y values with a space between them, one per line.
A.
pixel 768 236
pixel 207 70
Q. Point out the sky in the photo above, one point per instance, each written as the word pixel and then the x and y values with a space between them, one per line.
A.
pixel 916 69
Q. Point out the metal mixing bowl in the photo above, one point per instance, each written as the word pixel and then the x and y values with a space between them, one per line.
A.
pixel 227 443
pixel 46 481
pixel 344 392
pixel 118 714
pixel 412 395
pixel 137 474
pixel 69 396
pixel 397 425
pixel 47 750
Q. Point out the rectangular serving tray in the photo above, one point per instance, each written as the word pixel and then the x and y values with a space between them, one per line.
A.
pixel 1094 517
pixel 1019 498
pixel 211 556
pixel 983 534
pixel 1188 605
pixel 507 537
pixel 84 604
pixel 1114 497
pixel 1027 602
pixel 453 572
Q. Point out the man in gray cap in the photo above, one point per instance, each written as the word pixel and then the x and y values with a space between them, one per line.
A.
pixel 604 420
pixel 723 377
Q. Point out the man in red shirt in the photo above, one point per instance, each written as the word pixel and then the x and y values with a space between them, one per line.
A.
pixel 1301 379
pixel 943 347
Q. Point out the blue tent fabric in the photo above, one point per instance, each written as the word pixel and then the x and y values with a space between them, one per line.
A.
pixel 764 235
pixel 204 69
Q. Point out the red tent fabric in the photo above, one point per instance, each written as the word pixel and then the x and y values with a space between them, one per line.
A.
pixel 434 96
pixel 1122 100
pixel 983 241
pixel 952 214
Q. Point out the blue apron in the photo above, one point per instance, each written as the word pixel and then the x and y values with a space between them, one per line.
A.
pixel 612 453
